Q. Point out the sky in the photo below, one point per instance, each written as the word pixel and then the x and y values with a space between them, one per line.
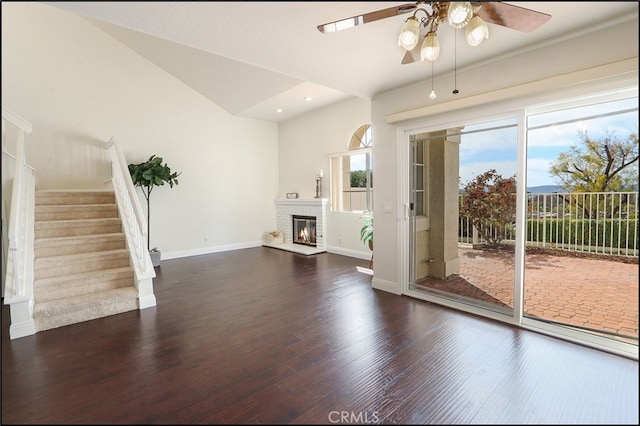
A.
pixel 493 145
pixel 549 134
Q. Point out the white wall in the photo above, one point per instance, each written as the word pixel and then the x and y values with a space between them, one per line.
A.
pixel 79 87
pixel 304 147
pixel 545 69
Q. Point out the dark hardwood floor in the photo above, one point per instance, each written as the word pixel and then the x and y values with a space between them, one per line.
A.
pixel 264 336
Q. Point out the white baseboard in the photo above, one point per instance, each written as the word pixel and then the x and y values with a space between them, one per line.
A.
pixel 209 250
pixel 364 270
pixel 364 255
pixel 22 330
pixel 146 301
pixel 387 286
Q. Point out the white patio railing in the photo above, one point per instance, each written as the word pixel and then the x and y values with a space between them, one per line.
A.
pixel 592 222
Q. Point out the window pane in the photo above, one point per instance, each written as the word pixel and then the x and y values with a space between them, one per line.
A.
pixel 351 175
pixel 583 219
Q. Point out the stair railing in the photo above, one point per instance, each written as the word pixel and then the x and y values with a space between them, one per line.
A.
pixel 134 225
pixel 18 284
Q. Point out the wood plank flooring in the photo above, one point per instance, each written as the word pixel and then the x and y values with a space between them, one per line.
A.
pixel 265 336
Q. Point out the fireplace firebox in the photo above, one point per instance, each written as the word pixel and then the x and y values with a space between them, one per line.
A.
pixel 304 230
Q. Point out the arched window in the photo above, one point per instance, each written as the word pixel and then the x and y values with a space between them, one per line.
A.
pixel 352 174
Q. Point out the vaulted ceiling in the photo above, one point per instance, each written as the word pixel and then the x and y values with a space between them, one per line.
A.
pixel 252 58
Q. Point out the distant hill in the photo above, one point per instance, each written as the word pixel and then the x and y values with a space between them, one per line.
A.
pixel 545 188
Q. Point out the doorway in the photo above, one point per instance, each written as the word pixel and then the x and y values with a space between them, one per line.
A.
pixel 565 260
pixel 448 258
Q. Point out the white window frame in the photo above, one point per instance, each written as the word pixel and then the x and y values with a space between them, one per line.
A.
pixel 337 171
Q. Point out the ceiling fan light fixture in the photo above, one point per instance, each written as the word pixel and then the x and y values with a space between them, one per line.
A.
pixel 430 49
pixel 409 34
pixel 476 31
pixel 459 13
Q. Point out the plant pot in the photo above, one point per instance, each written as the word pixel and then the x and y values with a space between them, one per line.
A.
pixel 155 257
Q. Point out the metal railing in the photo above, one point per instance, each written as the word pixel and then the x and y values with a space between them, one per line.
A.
pixel 590 222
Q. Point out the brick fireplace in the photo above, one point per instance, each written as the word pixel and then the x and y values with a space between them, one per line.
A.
pixel 315 208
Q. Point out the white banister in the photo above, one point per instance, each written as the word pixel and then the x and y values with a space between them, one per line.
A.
pixel 133 223
pixel 14 119
pixel 17 224
pixel 18 284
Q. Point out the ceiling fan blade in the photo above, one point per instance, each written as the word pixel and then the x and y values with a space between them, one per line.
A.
pixel 353 21
pixel 510 16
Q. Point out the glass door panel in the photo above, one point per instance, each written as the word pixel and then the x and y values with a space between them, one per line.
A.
pixel 581 256
pixel 450 257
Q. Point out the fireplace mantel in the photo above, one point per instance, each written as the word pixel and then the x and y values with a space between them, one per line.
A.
pixel 321 202
pixel 286 208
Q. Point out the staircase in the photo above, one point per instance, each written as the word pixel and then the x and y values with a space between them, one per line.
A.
pixel 81 267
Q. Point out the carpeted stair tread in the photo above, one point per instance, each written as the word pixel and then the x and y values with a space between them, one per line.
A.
pixel 73 223
pixel 82 278
pixel 73 289
pixel 56 246
pixel 79 257
pixel 58 313
pixel 49 197
pixel 77 303
pixel 50 266
pixel 78 239
pixel 74 227
pixel 75 211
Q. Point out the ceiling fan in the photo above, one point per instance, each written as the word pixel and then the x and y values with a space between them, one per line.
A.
pixel 474 14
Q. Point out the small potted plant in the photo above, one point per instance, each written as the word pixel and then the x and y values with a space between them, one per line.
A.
pixel 366 234
pixel 148 175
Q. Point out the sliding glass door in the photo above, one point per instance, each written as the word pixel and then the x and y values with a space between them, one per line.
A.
pixel 531 218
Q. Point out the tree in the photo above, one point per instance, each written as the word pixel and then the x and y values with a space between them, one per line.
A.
pixel 607 165
pixel 490 202
pixel 358 179
pixel 148 175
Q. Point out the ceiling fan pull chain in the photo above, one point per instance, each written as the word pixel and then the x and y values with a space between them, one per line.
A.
pixel 455 62
pixel 432 95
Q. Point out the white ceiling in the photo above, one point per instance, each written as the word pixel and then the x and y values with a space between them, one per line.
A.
pixel 251 58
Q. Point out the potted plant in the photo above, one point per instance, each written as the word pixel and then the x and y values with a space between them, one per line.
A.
pixel 148 175
pixel 366 234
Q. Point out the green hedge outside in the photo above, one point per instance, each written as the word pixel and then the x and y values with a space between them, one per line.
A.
pixel 611 233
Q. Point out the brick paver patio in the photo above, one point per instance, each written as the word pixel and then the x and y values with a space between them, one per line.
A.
pixel 596 294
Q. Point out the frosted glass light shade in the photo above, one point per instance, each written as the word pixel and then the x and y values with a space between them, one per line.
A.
pixel 476 31
pixel 430 49
pixel 409 34
pixel 459 13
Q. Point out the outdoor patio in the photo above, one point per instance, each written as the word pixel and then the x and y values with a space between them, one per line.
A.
pixel 596 293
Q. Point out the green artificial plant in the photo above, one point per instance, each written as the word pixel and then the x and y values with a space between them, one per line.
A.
pixel 148 175
pixel 366 234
